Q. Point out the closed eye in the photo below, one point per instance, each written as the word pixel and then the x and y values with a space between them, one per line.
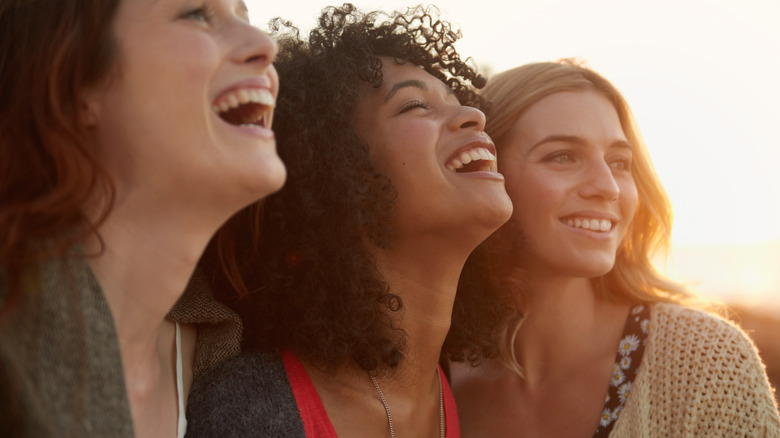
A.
pixel 412 105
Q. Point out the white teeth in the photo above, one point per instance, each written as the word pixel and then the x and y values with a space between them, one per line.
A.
pixel 589 224
pixel 468 156
pixel 243 96
pixel 235 98
pixel 232 101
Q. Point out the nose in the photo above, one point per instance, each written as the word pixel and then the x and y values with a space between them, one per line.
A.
pixel 253 46
pixel 600 182
pixel 468 117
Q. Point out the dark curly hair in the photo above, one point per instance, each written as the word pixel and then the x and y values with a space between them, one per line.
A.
pixel 297 267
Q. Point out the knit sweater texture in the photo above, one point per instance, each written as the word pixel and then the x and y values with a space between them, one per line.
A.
pixel 61 370
pixel 700 376
pixel 246 396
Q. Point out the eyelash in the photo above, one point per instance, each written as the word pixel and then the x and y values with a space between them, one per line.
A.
pixel 412 105
pixel 557 156
pixel 620 164
pixel 624 162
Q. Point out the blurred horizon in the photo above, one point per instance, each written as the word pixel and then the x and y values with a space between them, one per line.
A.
pixel 742 274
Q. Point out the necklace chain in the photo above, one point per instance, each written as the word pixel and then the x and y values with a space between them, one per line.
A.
pixel 390 416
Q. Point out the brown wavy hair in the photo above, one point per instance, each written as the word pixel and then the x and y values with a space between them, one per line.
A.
pixel 50 52
pixel 298 267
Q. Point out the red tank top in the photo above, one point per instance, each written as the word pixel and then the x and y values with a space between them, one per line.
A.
pixel 315 420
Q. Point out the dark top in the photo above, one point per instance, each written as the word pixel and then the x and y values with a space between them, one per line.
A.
pixel 629 356
pixel 244 397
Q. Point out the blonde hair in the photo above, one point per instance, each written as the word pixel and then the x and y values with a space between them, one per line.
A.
pixel 633 278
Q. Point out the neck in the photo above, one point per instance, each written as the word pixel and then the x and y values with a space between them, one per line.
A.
pixel 567 325
pixel 425 276
pixel 148 255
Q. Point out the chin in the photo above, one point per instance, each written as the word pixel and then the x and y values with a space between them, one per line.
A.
pixel 268 180
pixel 593 269
pixel 496 213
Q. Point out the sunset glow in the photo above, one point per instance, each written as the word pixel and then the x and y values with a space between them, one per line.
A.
pixel 701 77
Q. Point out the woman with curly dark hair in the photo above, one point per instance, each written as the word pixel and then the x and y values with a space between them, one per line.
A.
pixel 392 183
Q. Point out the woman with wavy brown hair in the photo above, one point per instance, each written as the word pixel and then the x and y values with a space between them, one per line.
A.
pixel 129 132
pixel 349 301
pixel 604 345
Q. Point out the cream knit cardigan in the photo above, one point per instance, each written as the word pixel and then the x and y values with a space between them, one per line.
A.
pixel 700 376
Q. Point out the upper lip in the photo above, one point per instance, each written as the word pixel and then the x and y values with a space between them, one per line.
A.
pixel 591 214
pixel 482 141
pixel 261 81
pixel 252 83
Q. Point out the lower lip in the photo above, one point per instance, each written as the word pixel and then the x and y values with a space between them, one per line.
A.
pixel 480 175
pixel 253 130
pixel 258 131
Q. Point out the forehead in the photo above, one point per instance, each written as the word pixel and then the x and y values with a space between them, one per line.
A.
pixel 399 74
pixel 586 112
pixel 143 6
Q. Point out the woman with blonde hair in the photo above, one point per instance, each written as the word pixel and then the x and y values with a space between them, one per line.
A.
pixel 603 345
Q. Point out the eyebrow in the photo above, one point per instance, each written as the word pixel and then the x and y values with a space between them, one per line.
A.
pixel 577 141
pixel 403 84
pixel 412 83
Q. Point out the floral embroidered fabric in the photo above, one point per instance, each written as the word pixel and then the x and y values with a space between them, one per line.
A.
pixel 629 356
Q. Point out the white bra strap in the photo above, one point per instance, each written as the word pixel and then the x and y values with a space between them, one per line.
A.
pixel 181 426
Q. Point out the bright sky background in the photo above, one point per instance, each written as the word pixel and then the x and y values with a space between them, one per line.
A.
pixel 703 79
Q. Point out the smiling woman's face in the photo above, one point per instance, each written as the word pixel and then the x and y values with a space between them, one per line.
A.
pixel 435 153
pixel 187 109
pixel 567 165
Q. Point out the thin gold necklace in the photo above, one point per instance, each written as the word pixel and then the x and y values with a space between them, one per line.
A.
pixel 387 407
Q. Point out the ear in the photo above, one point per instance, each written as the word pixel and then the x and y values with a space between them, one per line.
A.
pixel 89 108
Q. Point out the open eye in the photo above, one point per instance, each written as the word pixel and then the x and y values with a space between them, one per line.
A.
pixel 622 164
pixel 203 14
pixel 560 157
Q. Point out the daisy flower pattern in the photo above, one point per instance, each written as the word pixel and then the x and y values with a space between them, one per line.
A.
pixel 644 325
pixel 629 344
pixel 617 376
pixel 608 417
pixel 624 391
pixel 627 360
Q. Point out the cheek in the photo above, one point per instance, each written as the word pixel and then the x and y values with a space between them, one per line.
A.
pixel 629 198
